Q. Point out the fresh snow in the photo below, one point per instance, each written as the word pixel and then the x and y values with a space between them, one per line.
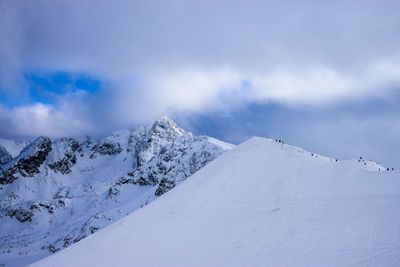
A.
pixel 219 143
pixel 264 203
pixel 14 147
pixel 57 192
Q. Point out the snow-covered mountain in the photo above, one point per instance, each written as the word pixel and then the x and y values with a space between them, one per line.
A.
pixel 56 192
pixel 263 203
pixel 14 147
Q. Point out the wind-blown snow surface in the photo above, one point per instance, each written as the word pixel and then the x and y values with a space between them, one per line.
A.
pixel 261 204
pixel 57 192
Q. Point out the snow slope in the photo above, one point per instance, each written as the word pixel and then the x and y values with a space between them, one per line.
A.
pixel 14 147
pixel 57 192
pixel 5 157
pixel 263 203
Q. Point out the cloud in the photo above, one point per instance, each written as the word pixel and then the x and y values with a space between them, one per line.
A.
pixel 10 48
pixel 324 85
pixel 127 38
pixel 193 56
pixel 69 118
pixel 193 90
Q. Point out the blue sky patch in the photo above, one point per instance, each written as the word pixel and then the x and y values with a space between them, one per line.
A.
pixel 45 88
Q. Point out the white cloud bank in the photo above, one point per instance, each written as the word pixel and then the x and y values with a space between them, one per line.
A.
pixel 193 56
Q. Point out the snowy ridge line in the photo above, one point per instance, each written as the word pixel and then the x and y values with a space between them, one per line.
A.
pixel 50 202
pixel 369 164
pixel 260 204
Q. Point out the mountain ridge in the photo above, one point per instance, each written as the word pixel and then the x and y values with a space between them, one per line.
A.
pixel 58 191
pixel 263 203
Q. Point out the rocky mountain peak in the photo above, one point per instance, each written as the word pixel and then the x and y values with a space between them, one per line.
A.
pixel 163 131
pixel 166 127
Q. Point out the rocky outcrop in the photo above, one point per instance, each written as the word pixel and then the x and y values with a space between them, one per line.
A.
pixel 34 156
pixel 106 147
pixel 21 214
pixel 28 162
pixel 70 149
pixel 164 186
pixel 175 162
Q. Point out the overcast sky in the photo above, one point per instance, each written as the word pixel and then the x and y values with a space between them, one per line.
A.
pixel 324 75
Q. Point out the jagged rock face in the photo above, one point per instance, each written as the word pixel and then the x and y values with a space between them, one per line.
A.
pixel 107 147
pixel 175 162
pixel 164 186
pixel 73 188
pixel 5 157
pixel 166 129
pixel 70 148
pixel 21 215
pixel 28 162
pixel 162 132
pixel 33 156
pixel 22 212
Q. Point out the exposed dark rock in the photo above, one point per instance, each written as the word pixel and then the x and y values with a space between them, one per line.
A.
pixel 163 150
pixel 67 241
pixel 34 207
pixel 107 147
pixel 164 186
pixel 29 165
pixel 65 164
pixel 93 229
pixel 52 248
pixel 124 180
pixel 113 191
pixel 7 177
pixel 54 205
pixel 28 162
pixel 44 205
pixel 174 163
pixel 21 214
